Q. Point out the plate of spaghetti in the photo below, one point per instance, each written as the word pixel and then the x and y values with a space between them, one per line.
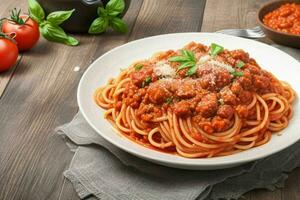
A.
pixel 194 100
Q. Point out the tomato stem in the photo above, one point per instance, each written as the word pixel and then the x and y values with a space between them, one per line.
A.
pixel 15 16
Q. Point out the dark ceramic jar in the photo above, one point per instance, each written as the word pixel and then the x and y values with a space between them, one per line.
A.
pixel 83 16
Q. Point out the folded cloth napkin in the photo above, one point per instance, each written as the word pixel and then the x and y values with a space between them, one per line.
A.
pixel 101 170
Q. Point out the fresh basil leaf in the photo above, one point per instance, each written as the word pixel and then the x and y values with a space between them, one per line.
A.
pixel 179 59
pixel 138 67
pixel 192 70
pixel 71 41
pixel 185 65
pixel 99 25
pixel 236 74
pixel 118 25
pixel 36 11
pixel 215 49
pixel 189 54
pixel 169 100
pixel 147 81
pixel 56 34
pixel 59 17
pixel 115 7
pixel 240 64
pixel 101 12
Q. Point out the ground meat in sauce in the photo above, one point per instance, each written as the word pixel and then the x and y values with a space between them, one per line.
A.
pixel 242 111
pixel 208 105
pixel 213 78
pixel 148 112
pixel 210 97
pixel 225 111
pixel 182 108
pixel 228 97
pixel 220 124
pixel 158 93
pixel 139 76
pixel 186 89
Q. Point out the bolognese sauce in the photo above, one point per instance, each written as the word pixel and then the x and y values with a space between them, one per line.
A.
pixel 286 18
pixel 198 101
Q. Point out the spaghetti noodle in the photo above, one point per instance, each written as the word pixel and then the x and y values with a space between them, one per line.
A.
pixel 197 102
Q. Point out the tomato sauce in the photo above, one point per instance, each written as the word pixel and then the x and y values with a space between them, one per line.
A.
pixel 286 18
pixel 210 96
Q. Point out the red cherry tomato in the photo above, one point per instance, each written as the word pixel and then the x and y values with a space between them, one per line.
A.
pixel 27 34
pixel 8 54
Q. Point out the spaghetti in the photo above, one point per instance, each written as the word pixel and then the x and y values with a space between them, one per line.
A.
pixel 197 102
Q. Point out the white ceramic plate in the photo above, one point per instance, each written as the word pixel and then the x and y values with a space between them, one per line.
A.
pixel 279 63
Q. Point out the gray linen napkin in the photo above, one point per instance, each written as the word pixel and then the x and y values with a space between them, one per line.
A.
pixel 101 170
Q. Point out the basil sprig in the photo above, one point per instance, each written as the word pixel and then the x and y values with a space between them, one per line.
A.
pixel 240 64
pixel 187 60
pixel 215 49
pixel 49 26
pixel 108 17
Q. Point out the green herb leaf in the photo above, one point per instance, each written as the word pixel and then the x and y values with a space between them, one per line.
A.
pixel 72 41
pixel 240 64
pixel 99 25
pixel 237 74
pixel 56 34
pixel 169 100
pixel 187 60
pixel 147 81
pixel 179 59
pixel 215 49
pixel 58 17
pixel 102 12
pixel 115 7
pixel 118 25
pixel 191 71
pixel 36 12
pixel 138 67
pixel 186 65
pixel 189 54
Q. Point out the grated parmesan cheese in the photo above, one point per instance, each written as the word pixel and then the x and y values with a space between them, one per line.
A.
pixel 204 59
pixel 221 64
pixel 163 69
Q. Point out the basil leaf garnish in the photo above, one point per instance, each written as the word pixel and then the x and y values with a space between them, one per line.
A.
pixel 118 25
pixel 215 49
pixel 108 17
pixel 187 60
pixel 36 11
pixel 138 67
pixel 59 17
pixel 115 7
pixel 237 74
pixel 56 34
pixel 240 64
pixel 49 27
pixel 99 25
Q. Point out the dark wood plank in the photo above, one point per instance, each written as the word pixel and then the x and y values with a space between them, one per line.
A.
pixel 161 17
pixel 42 95
pixel 7 75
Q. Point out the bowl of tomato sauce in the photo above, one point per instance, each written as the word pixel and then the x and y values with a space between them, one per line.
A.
pixel 280 20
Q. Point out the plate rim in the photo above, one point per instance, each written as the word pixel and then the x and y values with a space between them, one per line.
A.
pixel 159 159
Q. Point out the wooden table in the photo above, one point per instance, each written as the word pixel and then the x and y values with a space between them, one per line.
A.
pixel 39 93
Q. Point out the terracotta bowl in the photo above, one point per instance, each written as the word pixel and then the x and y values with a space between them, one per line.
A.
pixel 277 36
pixel 85 12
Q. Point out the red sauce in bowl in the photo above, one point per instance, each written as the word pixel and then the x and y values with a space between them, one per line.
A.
pixel 286 18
